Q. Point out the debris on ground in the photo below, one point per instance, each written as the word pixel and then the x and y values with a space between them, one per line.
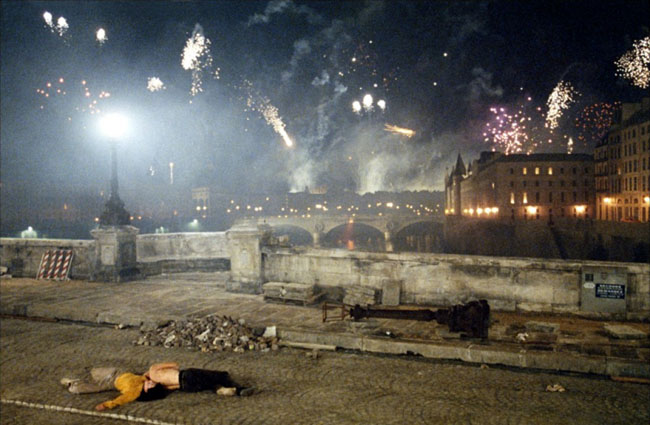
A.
pixel 4 272
pixel 555 388
pixel 521 337
pixel 210 333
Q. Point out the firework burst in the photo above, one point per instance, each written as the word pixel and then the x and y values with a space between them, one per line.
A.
pixel 262 104
pixel 523 131
pixel 101 36
pixel 561 98
pixel 367 103
pixel 399 130
pixel 155 84
pixel 196 58
pixel 508 132
pixel 594 122
pixel 61 26
pixel 635 64
pixel 80 95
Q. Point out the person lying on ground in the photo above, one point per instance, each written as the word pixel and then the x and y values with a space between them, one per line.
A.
pixel 171 377
pixel 130 386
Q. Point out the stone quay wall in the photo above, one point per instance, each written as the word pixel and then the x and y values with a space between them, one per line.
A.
pixel 156 254
pixel 182 252
pixel 509 284
pixel 23 256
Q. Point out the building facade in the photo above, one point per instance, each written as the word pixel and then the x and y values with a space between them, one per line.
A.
pixel 522 187
pixel 622 162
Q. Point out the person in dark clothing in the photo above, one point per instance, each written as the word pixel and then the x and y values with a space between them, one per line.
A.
pixel 171 377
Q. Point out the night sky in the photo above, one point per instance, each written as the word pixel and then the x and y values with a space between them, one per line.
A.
pixel 439 67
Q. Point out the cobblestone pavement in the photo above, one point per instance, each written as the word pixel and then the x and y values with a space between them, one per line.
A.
pixel 334 388
pixel 569 343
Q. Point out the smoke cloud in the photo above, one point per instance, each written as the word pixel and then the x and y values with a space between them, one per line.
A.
pixel 281 6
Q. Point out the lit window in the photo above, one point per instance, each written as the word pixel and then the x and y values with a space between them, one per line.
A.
pixel 536 171
pixel 525 198
pixel 512 197
pixel 524 171
pixel 550 171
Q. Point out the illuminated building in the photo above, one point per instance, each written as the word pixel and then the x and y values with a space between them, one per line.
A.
pixel 201 201
pixel 622 162
pixel 522 187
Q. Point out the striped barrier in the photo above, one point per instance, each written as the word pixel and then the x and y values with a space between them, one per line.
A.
pixel 55 264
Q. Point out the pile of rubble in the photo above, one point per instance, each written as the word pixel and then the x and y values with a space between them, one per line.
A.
pixel 211 333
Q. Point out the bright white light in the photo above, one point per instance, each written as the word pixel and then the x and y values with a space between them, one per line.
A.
pixel 61 25
pixel 382 104
pixel 356 106
pixel 155 84
pixel 101 36
pixel 113 125
pixel 48 18
pixel 367 102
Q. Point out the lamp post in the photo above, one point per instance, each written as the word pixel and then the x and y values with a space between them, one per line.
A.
pixel 114 127
pixel 115 247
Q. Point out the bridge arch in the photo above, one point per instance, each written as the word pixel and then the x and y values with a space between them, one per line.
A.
pixel 419 236
pixel 297 235
pixel 354 235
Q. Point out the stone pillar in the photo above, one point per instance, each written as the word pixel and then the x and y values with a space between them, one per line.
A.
pixel 246 268
pixel 388 241
pixel 316 234
pixel 316 237
pixel 115 254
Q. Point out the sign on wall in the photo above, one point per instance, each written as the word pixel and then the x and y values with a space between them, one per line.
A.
pixel 55 264
pixel 603 289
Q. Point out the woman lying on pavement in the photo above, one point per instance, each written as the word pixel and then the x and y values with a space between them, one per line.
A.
pixel 192 380
pixel 130 386
pixel 156 383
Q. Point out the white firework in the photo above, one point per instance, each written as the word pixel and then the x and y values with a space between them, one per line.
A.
pixel 560 99
pixel 196 58
pixel 382 104
pixel 61 26
pixel 47 16
pixel 101 36
pixel 272 117
pixel 635 64
pixel 367 102
pixel 270 113
pixel 155 84
pixel 356 106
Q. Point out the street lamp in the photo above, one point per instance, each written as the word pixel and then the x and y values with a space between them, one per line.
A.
pixel 114 126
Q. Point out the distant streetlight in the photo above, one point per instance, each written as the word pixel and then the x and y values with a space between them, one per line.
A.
pixel 114 126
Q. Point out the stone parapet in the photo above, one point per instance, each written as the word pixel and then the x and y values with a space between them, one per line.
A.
pixel 22 257
pixel 509 284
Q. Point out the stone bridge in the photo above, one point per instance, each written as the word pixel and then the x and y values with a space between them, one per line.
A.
pixel 320 225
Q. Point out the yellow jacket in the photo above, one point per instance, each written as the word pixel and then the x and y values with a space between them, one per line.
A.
pixel 130 387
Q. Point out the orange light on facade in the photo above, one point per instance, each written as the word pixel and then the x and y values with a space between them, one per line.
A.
pixel 495 210
pixel 471 211
pixel 646 199
pixel 531 210
pixel 607 200
pixel 580 209
pixel 479 211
